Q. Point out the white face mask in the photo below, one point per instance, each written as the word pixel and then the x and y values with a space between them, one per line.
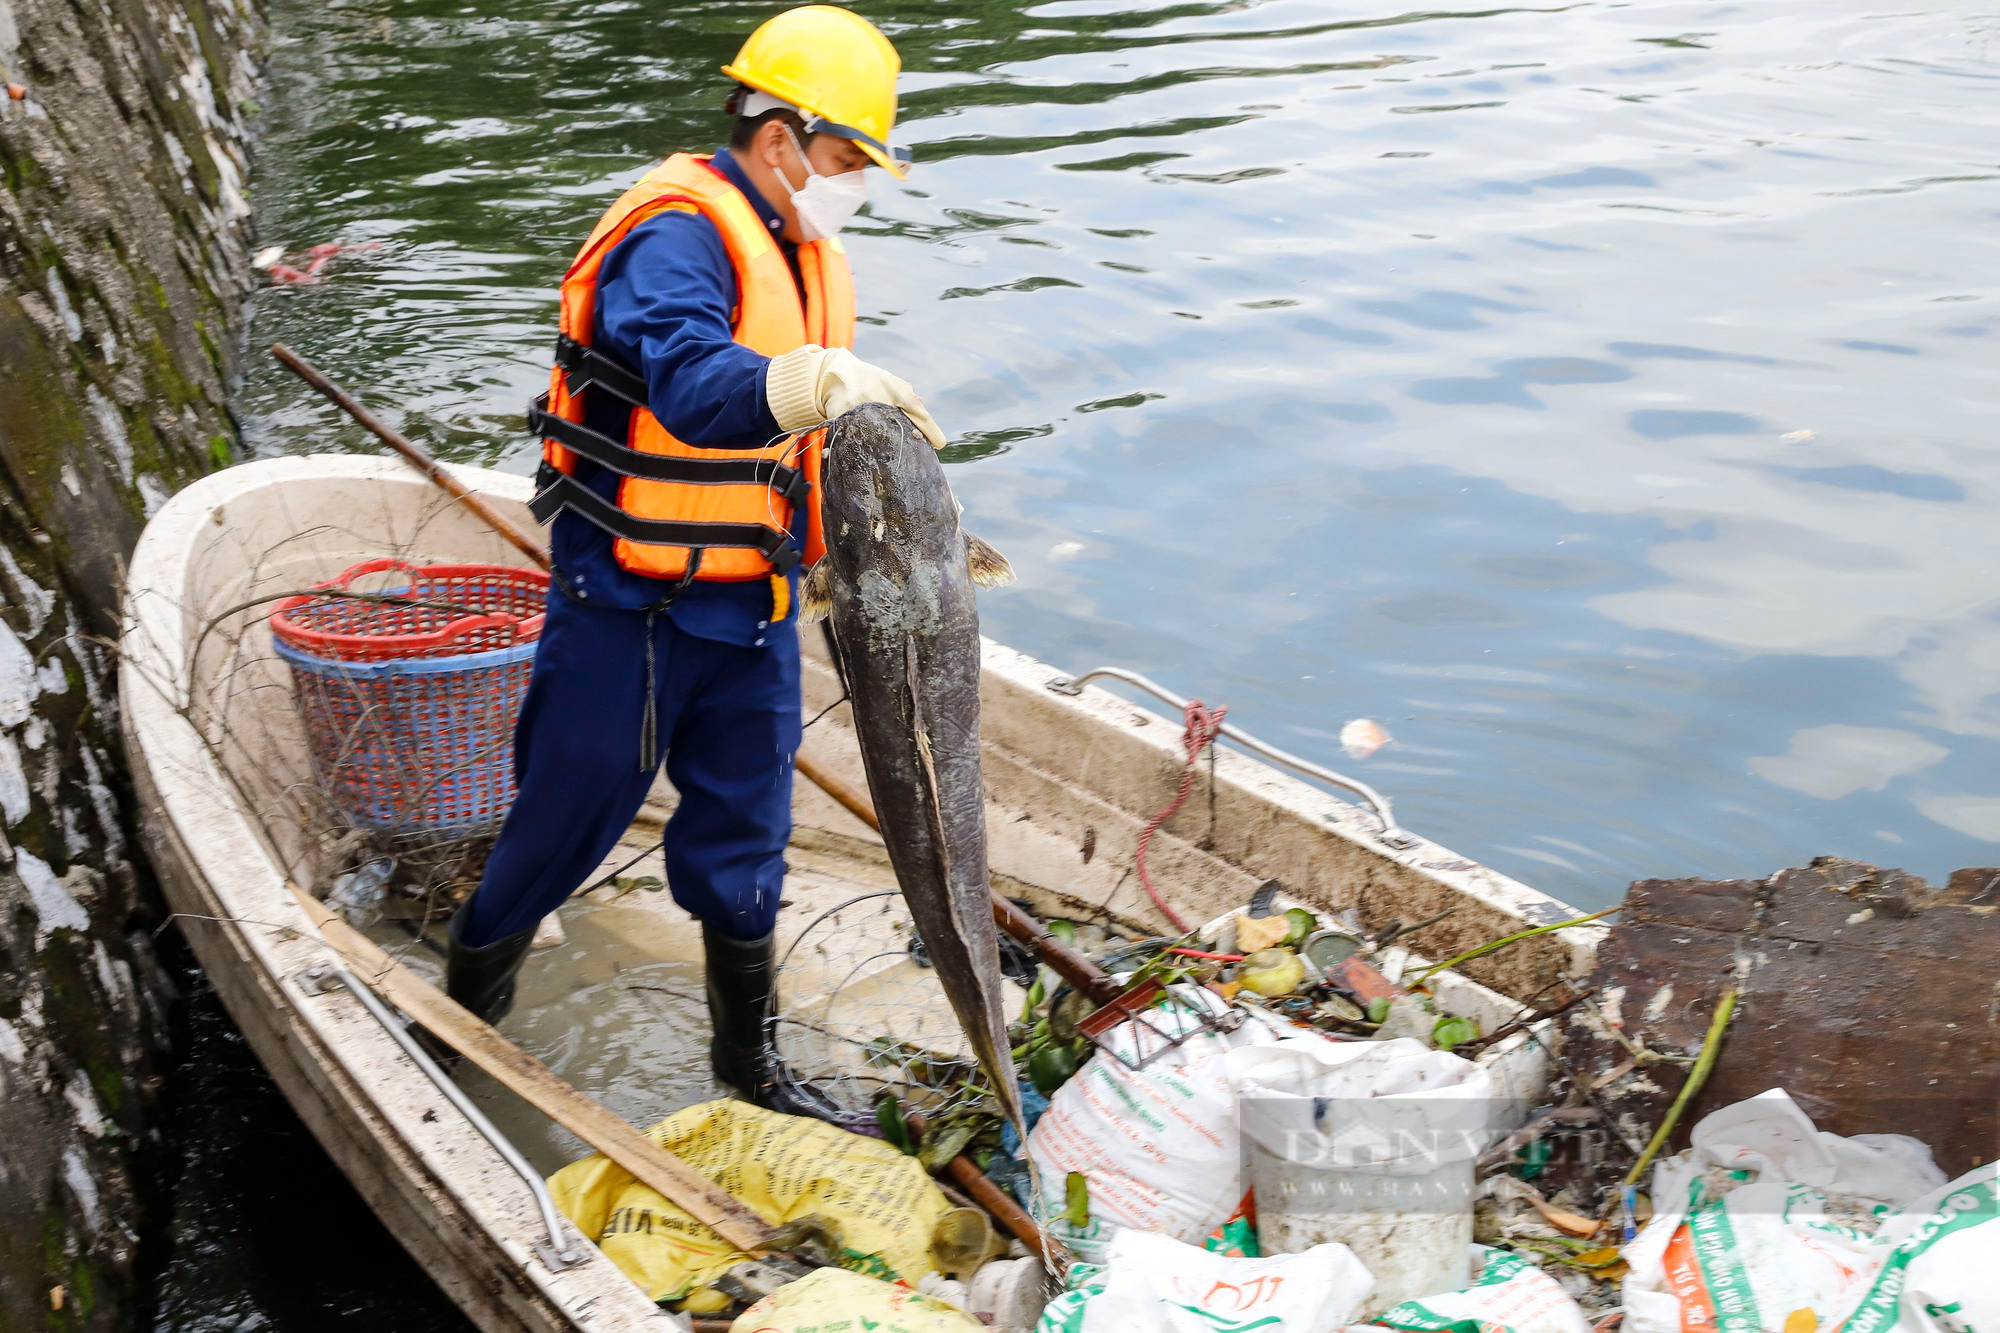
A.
pixel 826 203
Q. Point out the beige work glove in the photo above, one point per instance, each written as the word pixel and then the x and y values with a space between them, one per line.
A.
pixel 811 384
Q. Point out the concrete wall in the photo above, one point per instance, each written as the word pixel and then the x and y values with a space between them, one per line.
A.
pixel 123 270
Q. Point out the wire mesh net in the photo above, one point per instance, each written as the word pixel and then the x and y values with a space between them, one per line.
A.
pixel 860 1014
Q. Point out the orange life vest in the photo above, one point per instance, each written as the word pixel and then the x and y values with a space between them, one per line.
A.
pixel 729 511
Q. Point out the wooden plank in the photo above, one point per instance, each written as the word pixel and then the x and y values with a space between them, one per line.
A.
pixel 538 1085
pixel 435 1226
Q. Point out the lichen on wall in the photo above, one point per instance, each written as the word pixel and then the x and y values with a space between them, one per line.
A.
pixel 124 235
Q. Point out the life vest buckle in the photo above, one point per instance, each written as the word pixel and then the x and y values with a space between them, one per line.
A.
pixel 790 485
pixel 584 366
pixel 548 497
pixel 784 556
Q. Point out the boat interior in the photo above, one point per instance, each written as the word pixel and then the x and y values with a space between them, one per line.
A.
pixel 612 999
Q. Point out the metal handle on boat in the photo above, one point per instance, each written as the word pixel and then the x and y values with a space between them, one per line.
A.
pixel 1389 834
pixel 557 1252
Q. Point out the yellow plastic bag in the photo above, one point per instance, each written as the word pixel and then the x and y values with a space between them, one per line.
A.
pixel 833 1301
pixel 782 1166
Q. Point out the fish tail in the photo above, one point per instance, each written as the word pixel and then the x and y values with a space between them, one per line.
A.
pixel 988 567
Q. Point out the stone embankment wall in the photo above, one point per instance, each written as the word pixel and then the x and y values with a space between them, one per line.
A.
pixel 123 272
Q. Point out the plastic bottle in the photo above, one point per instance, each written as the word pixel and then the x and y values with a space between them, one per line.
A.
pixel 358 895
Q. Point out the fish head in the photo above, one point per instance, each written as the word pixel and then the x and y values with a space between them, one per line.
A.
pixel 883 484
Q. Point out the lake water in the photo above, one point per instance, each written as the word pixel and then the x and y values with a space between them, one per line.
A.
pixel 1600 397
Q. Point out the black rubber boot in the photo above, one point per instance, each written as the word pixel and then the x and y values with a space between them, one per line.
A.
pixel 741 977
pixel 482 977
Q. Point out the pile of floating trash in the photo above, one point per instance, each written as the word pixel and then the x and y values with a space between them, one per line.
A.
pixel 1303 1130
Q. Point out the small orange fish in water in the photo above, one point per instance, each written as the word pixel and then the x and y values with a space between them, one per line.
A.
pixel 1363 737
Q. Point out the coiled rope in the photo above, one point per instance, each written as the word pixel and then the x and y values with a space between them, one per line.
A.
pixel 1202 726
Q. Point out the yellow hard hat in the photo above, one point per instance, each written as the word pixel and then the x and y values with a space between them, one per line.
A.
pixel 836 68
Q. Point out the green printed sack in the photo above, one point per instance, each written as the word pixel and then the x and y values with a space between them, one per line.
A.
pixel 1064 1314
pixel 1939 1263
pixel 1766 1224
pixel 1758 1259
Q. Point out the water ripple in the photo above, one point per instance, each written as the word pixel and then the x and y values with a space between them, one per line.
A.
pixel 1637 354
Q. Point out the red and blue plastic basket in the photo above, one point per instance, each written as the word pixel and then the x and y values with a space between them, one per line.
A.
pixel 409 690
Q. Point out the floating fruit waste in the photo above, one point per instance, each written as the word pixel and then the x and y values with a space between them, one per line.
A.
pixel 1363 737
pixel 1272 972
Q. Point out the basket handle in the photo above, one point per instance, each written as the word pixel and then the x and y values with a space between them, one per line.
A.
pixel 457 629
pixel 371 567
pixel 465 625
pixel 347 578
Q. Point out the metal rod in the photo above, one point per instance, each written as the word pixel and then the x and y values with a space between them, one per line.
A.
pixel 1000 1204
pixel 1389 834
pixel 560 1252
pixel 1071 965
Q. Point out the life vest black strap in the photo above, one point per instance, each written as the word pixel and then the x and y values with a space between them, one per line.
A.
pixel 584 366
pixel 566 492
pixel 787 483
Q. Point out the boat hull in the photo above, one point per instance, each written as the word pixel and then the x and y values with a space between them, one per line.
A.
pixel 220 768
pixel 437 1185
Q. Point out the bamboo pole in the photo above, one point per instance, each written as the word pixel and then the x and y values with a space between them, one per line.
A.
pixel 415 456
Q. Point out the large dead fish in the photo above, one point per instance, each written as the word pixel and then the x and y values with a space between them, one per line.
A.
pixel 896 590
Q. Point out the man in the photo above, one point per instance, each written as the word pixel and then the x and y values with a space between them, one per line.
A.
pixel 703 328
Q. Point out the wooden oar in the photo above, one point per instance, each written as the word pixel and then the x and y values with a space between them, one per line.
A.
pixel 537 1084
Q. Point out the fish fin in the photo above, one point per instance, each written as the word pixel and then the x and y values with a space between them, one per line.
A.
pixel 816 594
pixel 989 568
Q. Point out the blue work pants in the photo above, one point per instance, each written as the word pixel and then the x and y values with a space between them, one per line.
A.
pixel 727 722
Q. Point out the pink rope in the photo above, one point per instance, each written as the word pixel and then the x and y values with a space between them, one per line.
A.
pixel 1202 726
